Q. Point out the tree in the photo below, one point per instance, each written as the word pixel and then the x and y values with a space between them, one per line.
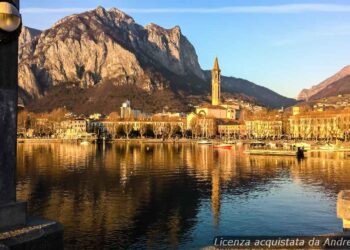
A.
pixel 196 127
pixel 157 129
pixel 143 129
pixel 128 129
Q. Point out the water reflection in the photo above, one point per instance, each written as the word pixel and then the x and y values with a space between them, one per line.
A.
pixel 174 195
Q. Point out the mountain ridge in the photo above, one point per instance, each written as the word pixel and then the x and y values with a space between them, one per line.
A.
pixel 97 47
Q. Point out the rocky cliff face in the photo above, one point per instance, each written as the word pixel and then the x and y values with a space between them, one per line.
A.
pixel 100 45
pixel 99 50
pixel 27 82
pixel 306 94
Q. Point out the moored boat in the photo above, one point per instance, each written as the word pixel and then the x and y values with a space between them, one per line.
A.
pixel 223 146
pixel 271 152
pixel 204 142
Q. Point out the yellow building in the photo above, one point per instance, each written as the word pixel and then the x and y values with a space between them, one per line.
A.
pixel 263 129
pixel 232 131
pixel 331 124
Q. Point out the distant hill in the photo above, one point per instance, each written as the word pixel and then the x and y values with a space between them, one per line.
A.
pixel 93 61
pixel 326 87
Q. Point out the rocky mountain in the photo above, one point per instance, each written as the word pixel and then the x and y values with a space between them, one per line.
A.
pixel 325 87
pixel 93 61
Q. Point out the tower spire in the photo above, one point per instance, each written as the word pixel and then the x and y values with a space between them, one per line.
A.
pixel 216 64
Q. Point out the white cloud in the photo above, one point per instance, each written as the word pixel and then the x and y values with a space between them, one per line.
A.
pixel 267 9
pixel 51 10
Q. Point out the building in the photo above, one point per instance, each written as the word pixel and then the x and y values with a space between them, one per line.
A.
pixel 232 131
pixel 74 129
pixel 217 109
pixel 321 124
pixel 264 128
pixel 126 112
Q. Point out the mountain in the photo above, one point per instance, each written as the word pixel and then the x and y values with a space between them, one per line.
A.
pixel 261 94
pixel 93 61
pixel 340 87
pixel 326 87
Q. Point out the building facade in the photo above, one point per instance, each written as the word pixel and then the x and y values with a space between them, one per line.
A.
pixel 264 129
pixel 74 129
pixel 329 125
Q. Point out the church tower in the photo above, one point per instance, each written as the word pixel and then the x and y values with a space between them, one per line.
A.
pixel 215 74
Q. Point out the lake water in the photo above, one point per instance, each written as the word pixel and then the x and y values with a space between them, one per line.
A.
pixel 165 196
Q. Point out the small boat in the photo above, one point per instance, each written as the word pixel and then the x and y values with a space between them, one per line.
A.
pixel 84 143
pixel 223 146
pixel 204 142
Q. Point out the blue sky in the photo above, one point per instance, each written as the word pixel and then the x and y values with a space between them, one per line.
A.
pixel 283 45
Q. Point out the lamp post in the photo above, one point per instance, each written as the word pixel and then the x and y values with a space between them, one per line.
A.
pixel 12 213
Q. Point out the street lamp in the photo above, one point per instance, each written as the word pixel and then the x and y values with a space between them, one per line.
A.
pixel 10 22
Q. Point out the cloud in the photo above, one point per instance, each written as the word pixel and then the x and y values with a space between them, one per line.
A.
pixel 52 10
pixel 263 9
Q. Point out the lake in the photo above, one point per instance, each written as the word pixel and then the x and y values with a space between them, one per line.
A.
pixel 177 196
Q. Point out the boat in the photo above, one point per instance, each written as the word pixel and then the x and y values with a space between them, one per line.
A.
pixel 204 142
pixel 84 143
pixel 271 152
pixel 274 149
pixel 223 146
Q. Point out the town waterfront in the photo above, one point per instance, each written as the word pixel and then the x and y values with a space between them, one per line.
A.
pixel 155 195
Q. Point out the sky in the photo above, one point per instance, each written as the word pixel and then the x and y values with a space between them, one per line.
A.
pixel 283 45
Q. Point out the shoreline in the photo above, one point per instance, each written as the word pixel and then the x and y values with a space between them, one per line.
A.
pixel 182 140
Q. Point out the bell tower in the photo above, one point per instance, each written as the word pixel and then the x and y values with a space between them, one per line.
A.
pixel 215 83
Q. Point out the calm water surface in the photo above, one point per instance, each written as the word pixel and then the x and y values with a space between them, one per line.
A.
pixel 159 196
